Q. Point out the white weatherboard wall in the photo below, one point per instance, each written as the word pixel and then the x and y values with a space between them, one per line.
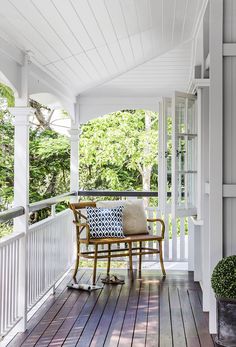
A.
pixel 219 169
pixel 229 138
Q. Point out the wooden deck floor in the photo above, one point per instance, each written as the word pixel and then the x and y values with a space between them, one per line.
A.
pixel 146 312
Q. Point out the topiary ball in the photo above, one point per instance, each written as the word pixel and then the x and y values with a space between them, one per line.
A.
pixel 223 279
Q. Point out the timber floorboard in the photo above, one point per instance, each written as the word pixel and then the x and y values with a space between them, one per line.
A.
pixel 146 311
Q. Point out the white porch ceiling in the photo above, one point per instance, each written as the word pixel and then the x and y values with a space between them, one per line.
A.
pixel 84 43
pixel 160 76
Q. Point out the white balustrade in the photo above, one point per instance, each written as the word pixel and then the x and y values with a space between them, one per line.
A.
pixel 9 281
pixel 175 245
pixel 50 254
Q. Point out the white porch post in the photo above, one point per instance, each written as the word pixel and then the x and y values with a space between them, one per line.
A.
pixel 21 115
pixel 21 198
pixel 74 155
pixel 215 146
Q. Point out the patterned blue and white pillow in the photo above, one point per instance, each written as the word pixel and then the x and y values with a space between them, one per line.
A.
pixel 105 222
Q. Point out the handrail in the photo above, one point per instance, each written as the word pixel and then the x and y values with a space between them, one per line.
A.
pixel 36 206
pixel 126 193
pixel 11 213
pixel 49 202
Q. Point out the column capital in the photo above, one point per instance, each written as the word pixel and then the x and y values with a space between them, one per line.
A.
pixel 74 134
pixel 21 115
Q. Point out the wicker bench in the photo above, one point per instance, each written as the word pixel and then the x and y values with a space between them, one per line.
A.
pixel 130 249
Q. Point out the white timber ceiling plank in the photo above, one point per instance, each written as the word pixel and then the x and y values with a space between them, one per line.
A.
pixel 61 76
pixel 191 18
pixel 87 17
pixel 98 62
pixel 75 65
pixel 68 12
pixel 127 50
pixel 108 59
pixel 153 36
pixel 46 36
pixel 117 18
pixel 143 15
pixel 147 44
pixel 65 69
pixel 84 61
pixel 23 43
pixel 23 26
pixel 103 20
pixel 56 22
pixel 137 46
pixel 178 22
pixel 156 10
pixel 131 20
pixel 118 56
pixel 168 20
pixel 184 15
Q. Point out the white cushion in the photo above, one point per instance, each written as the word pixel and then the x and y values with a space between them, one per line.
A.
pixel 134 217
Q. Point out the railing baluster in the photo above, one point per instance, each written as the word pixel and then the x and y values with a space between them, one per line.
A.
pixel 182 239
pixel 150 243
pixel 174 240
pixel 166 240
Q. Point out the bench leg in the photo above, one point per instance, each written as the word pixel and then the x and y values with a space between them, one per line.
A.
pixel 109 259
pixel 95 264
pixel 161 259
pixel 130 260
pixel 77 261
pixel 140 257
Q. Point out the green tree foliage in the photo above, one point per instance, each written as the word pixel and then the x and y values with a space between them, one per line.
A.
pixel 49 164
pixel 116 149
pixel 6 146
pixel 49 158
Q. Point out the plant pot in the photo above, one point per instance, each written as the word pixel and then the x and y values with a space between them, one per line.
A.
pixel 226 319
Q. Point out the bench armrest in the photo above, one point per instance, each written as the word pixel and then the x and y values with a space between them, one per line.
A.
pixel 153 220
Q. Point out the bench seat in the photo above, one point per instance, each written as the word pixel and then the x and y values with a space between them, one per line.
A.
pixel 129 250
pixel 126 239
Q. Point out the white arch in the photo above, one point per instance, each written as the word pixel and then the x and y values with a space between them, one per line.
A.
pixel 94 107
pixel 8 79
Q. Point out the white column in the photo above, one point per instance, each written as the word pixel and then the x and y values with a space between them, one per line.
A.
pixel 21 198
pixel 74 157
pixel 215 146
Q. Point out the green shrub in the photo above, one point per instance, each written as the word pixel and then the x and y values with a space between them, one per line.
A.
pixel 223 279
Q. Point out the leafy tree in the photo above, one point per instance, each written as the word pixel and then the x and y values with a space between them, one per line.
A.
pixel 6 146
pixel 119 151
pixel 49 155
